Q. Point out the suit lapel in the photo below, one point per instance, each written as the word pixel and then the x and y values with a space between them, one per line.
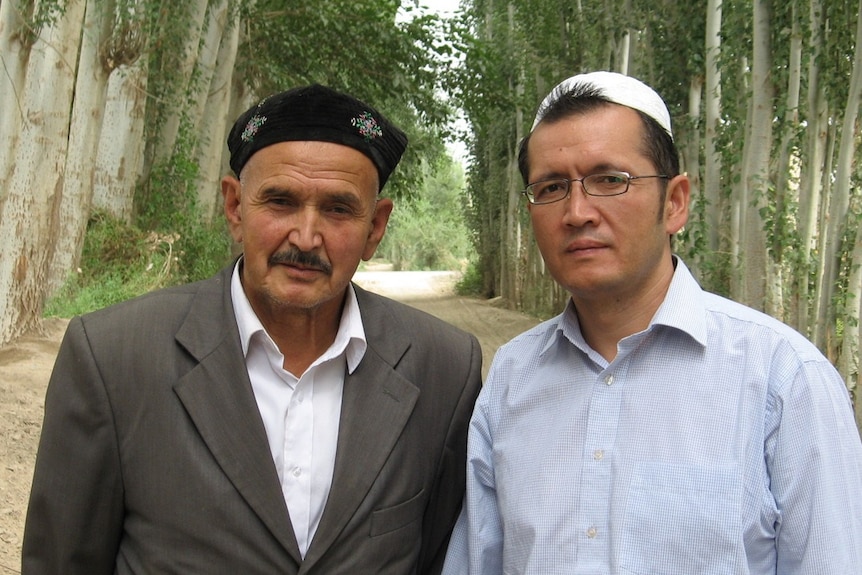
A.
pixel 218 396
pixel 376 404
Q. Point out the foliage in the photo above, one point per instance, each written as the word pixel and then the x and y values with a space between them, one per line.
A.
pixel 494 62
pixel 170 243
pixel 844 292
pixel 121 261
pixel 168 26
pixel 38 16
pixel 427 230
pixel 508 55
pixel 201 247
pixel 118 262
pixel 470 283
pixel 359 47
pixel 288 43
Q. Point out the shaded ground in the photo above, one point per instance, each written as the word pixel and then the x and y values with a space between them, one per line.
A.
pixel 26 365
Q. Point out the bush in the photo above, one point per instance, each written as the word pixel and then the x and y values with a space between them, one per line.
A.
pixel 120 261
pixel 427 230
pixel 470 283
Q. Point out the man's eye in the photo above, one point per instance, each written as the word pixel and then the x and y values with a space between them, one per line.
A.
pixel 280 201
pixel 548 188
pixel 340 209
pixel 609 179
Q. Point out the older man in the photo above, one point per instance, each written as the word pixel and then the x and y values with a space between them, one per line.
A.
pixel 275 418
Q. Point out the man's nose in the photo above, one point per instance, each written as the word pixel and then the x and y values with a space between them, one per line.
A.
pixel 580 207
pixel 305 233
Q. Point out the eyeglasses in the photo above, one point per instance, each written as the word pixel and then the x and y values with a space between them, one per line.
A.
pixel 604 184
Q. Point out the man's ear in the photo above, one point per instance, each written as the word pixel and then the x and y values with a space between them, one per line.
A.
pixel 231 191
pixel 676 203
pixel 378 227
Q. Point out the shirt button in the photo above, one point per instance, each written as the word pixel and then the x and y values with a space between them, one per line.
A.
pixel 592 532
pixel 598 454
pixel 297 471
pixel 609 379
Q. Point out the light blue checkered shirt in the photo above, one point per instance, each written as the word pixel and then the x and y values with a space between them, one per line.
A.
pixel 718 441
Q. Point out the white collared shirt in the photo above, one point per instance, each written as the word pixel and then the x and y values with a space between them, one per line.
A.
pixel 300 414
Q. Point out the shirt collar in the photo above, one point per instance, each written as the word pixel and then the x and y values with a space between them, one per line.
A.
pixel 682 309
pixel 683 306
pixel 349 340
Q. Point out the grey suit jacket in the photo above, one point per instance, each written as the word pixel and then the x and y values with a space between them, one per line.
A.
pixel 153 456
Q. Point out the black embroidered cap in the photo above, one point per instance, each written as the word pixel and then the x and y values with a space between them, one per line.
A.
pixel 317 113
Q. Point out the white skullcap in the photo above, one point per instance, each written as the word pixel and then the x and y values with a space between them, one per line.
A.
pixel 617 88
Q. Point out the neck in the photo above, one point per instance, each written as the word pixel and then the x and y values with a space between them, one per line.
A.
pixel 603 330
pixel 605 321
pixel 303 335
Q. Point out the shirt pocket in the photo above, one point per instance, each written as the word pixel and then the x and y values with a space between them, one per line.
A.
pixel 682 519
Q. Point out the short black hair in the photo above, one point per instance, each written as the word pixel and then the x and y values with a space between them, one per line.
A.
pixel 657 145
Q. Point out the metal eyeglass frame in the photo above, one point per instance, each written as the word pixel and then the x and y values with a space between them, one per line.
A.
pixel 567 182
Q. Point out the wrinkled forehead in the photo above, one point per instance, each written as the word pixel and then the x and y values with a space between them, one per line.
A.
pixel 310 165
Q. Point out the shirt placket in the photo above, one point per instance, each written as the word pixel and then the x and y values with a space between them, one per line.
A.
pixel 298 436
pixel 596 479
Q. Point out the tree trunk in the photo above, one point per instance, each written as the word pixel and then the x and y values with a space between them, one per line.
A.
pixel 785 177
pixel 821 299
pixel 119 156
pixel 712 109
pixel 14 52
pixel 511 269
pixel 206 62
pixel 86 124
pixel 756 179
pixel 28 215
pixel 167 138
pixel 691 150
pixel 851 353
pixel 739 195
pixel 848 360
pixel 215 119
pixel 812 176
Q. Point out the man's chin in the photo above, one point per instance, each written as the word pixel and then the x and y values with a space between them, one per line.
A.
pixel 588 284
pixel 302 299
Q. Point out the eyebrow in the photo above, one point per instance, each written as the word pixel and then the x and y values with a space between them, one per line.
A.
pixel 597 169
pixel 605 167
pixel 273 192
pixel 270 191
pixel 346 198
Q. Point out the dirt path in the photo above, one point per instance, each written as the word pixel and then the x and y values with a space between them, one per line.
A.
pixel 24 370
pixel 433 292
pixel 26 365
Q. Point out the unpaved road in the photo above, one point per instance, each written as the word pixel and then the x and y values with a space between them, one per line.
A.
pixel 433 292
pixel 26 365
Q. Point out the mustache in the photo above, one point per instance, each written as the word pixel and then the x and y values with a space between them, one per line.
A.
pixel 301 258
